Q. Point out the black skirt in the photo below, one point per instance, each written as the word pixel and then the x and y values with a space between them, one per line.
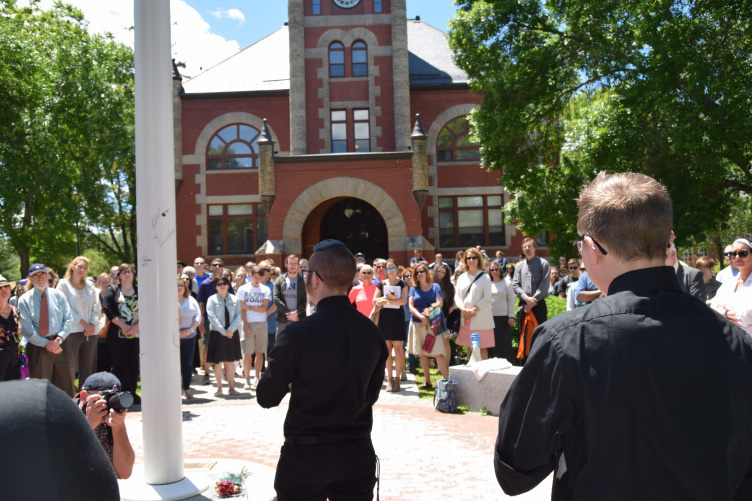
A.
pixel 392 324
pixel 223 349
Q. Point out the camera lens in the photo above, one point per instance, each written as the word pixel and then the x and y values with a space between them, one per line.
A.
pixel 120 401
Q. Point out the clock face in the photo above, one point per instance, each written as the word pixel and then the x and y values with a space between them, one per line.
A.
pixel 346 4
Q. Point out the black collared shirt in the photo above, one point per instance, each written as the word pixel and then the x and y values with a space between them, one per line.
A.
pixel 333 364
pixel 645 394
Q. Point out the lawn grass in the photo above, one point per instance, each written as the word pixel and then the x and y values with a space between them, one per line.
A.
pixel 420 380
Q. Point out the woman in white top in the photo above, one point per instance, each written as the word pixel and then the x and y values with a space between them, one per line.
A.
pixel 502 309
pixel 83 299
pixel 473 298
pixel 734 298
pixel 190 318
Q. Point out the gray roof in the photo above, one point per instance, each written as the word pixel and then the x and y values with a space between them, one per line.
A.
pixel 264 66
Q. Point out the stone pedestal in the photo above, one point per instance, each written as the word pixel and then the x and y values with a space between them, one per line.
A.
pixel 488 393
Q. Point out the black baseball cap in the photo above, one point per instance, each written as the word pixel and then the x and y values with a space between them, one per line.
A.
pixel 101 381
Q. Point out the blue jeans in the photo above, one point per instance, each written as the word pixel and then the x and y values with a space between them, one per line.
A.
pixel 187 347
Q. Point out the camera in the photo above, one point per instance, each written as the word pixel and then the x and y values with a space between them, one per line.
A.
pixel 118 400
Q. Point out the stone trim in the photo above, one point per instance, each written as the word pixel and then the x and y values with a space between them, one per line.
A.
pixel 343 187
pixel 400 75
pixel 321 52
pixel 296 17
pixel 324 21
pixel 199 157
pixel 233 199
pixel 441 120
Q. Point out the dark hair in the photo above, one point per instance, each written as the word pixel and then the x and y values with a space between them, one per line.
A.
pixel 447 289
pixel 334 263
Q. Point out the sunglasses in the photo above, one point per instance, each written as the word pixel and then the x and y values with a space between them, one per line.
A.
pixel 407 277
pixel 5 286
pixel 471 258
pixel 495 269
pixel 380 267
pixel 223 284
pixel 366 273
pixel 420 272
pixel 582 269
pixel 216 265
pixel 391 269
pixel 573 268
pixel 742 254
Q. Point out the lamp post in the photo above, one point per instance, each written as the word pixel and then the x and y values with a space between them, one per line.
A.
pixel 75 196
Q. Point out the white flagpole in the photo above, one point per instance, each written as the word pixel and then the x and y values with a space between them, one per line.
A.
pixel 157 250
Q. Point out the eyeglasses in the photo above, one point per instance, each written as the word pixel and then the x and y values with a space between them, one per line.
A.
pixel 742 254
pixel 470 258
pixel 359 260
pixel 309 272
pixel 407 277
pixel 418 272
pixel 391 269
pixel 495 269
pixel 578 245
pixel 181 286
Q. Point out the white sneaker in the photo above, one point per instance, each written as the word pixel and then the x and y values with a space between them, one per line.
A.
pixel 247 385
pixel 254 383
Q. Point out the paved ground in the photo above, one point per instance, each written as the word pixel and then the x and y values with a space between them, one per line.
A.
pixel 424 454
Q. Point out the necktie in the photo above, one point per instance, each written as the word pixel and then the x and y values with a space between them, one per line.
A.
pixel 44 316
pixel 227 317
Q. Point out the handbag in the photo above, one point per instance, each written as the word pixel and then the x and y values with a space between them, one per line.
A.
pixel 445 396
pixel 429 342
pixel 103 326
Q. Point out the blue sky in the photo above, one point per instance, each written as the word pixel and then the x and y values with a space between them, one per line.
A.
pixel 264 16
pixel 206 32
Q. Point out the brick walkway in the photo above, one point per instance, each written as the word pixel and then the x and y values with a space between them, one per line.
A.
pixel 424 454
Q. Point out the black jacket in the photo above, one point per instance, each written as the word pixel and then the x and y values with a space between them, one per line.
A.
pixel 644 394
pixel 333 364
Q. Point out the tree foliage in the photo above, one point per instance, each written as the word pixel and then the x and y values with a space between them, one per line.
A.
pixel 571 88
pixel 66 125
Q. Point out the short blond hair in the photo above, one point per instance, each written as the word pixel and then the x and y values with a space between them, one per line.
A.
pixel 630 213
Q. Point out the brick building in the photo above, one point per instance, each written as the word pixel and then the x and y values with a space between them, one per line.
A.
pixel 349 122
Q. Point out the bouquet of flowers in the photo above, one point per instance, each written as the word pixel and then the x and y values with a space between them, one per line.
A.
pixel 231 484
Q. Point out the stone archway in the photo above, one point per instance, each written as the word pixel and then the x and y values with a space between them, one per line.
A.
pixel 343 187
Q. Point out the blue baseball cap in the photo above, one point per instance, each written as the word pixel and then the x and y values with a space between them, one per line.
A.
pixel 36 267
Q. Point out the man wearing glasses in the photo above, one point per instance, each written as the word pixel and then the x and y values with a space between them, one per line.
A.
pixel 644 394
pixel 531 283
pixel 328 450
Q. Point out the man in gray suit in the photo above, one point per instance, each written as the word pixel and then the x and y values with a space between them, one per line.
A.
pixel 690 279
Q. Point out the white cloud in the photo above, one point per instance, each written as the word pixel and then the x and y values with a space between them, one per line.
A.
pixel 230 14
pixel 192 39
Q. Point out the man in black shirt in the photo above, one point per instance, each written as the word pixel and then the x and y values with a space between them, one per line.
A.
pixel 328 450
pixel 644 394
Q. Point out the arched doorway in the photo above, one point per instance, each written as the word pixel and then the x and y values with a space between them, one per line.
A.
pixel 358 225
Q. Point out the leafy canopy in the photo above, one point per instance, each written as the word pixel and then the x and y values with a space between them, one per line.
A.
pixel 66 125
pixel 662 87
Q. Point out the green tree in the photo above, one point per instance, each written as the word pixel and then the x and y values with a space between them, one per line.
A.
pixel 572 88
pixel 66 125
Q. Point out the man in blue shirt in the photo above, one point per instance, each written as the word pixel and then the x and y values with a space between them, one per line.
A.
pixel 585 292
pixel 45 319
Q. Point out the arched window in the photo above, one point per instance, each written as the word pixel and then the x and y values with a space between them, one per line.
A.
pixel 359 59
pixel 336 60
pixel 454 142
pixel 233 147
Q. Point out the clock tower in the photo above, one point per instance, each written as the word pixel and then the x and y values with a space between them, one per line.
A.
pixel 349 77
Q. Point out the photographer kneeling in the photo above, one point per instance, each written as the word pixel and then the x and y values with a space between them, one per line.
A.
pixel 105 409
